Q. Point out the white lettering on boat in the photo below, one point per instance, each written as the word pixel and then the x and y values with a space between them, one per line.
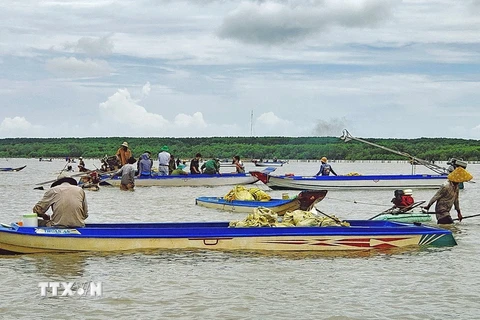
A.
pixel 57 231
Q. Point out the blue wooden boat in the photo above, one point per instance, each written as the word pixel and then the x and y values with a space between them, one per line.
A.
pixel 364 182
pixel 360 235
pixel 305 200
pixel 11 169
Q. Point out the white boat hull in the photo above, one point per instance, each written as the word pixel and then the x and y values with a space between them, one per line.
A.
pixel 357 182
pixel 190 181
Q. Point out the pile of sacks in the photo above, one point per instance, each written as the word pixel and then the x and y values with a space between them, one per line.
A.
pixel 264 217
pixel 242 193
pixel 353 174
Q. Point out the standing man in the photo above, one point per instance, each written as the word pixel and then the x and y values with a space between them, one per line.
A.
pixel 195 164
pixel 163 161
pixel 123 153
pixel 68 203
pixel 447 196
pixel 128 175
pixel 325 168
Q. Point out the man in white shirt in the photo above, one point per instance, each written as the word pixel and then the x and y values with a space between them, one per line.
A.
pixel 163 161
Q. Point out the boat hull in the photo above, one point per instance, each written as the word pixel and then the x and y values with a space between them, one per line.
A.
pixel 405 217
pixel 269 164
pixel 190 180
pixel 304 201
pixel 11 169
pixel 361 235
pixel 370 182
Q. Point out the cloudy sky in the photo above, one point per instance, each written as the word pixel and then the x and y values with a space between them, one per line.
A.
pixel 202 68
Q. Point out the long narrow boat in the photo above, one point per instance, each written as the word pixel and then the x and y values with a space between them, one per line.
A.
pixel 408 217
pixel 269 163
pixel 305 200
pixel 188 180
pixel 366 182
pixel 360 235
pixel 12 169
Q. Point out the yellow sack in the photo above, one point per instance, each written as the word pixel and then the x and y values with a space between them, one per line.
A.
pixel 259 195
pixel 353 174
pixel 238 193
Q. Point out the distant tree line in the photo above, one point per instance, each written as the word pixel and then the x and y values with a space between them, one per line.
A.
pixel 302 148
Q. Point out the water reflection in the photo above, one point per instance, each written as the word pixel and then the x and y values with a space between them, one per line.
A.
pixel 59 265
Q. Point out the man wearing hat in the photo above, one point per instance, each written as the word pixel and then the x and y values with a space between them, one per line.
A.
pixel 211 166
pixel 325 168
pixel 163 161
pixel 123 153
pixel 447 196
pixel 68 203
pixel 179 170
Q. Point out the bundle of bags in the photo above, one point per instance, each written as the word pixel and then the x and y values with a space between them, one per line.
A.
pixel 264 217
pixel 251 194
pixel 353 174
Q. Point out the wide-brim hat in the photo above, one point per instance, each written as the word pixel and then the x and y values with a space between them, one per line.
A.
pixel 70 180
pixel 125 144
pixel 324 159
pixel 459 175
pixel 164 148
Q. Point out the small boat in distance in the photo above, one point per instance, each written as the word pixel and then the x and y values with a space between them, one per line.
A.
pixel 268 163
pixel 305 200
pixel 360 235
pixel 11 169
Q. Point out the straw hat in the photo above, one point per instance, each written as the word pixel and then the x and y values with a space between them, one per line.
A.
pixel 324 159
pixel 408 192
pixel 459 175
pixel 125 144
pixel 64 179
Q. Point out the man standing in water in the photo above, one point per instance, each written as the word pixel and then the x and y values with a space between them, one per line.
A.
pixel 447 196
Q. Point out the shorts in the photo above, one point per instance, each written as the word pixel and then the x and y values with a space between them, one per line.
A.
pixel 445 220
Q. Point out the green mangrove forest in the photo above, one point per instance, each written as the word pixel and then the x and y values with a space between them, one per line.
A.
pixel 301 148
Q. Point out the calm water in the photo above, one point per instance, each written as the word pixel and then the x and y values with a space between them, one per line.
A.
pixel 434 283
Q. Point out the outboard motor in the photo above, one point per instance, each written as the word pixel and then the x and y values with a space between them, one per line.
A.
pixel 455 163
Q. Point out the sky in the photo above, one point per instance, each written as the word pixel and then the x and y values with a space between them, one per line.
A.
pixel 206 68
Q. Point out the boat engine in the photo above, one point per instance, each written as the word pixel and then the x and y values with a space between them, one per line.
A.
pixel 455 163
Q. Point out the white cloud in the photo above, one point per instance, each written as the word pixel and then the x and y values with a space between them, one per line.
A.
pixel 121 110
pixel 91 46
pixel 19 127
pixel 271 120
pixel 73 67
pixel 184 120
pixel 146 90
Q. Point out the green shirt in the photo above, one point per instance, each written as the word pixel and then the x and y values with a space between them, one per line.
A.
pixel 211 167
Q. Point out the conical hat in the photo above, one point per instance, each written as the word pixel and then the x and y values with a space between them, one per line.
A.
pixel 459 175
